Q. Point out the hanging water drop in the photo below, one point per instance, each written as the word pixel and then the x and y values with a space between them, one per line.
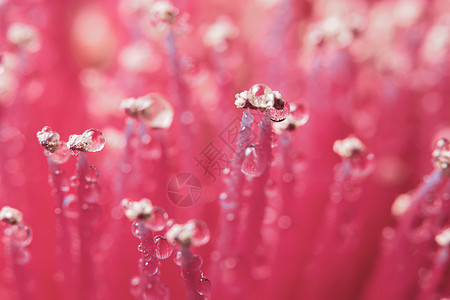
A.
pixel 135 230
pixel 251 165
pixel 156 111
pixel 94 140
pixel 203 286
pixel 158 219
pixel 151 267
pixel 199 232
pixel 281 113
pixel 70 207
pixel 61 154
pixel 163 247
pixel 299 114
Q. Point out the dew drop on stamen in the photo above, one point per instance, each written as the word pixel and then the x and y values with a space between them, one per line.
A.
pixel 158 219
pixel 299 114
pixel 278 115
pixel 251 166
pixel 61 155
pixel 163 247
pixel 200 232
pixel 261 96
pixel 135 230
pixel 203 286
pixel 151 267
pixel 157 111
pixel 70 207
pixel 94 139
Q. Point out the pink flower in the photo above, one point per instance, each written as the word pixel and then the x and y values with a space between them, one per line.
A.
pixel 208 149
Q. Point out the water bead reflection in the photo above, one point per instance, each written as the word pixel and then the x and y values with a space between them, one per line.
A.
pixel 261 96
pixel 158 219
pixel 204 286
pixel 61 154
pixel 163 247
pixel 252 166
pixel 200 232
pixel 94 139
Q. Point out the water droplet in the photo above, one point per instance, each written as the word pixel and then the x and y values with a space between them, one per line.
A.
pixel 20 234
pixel 151 267
pixel 199 231
pixel 203 286
pixel 163 247
pixel 91 174
pixel 70 207
pixel 278 115
pixel 251 165
pixel 91 193
pixel 61 154
pixel 21 256
pixel 94 139
pixel 177 258
pixel 261 96
pixel 299 114
pixel 156 111
pixel 158 219
pixel 247 118
pixel 135 230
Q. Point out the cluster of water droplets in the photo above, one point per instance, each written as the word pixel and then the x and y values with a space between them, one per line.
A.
pixel 92 140
pixel 253 166
pixel 263 98
pixel 298 116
